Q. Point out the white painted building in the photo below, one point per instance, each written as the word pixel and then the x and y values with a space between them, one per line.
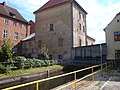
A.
pixel 113 38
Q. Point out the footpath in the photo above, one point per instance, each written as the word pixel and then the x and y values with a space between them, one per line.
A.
pixel 103 81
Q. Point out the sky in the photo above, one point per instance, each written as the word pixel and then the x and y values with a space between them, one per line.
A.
pixel 100 13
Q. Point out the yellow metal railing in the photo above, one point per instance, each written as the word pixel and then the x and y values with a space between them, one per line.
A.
pixel 104 66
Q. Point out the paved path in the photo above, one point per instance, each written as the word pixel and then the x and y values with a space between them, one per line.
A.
pixel 104 81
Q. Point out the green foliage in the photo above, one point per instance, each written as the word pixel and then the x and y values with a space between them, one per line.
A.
pixel 44 53
pixel 23 63
pixel 4 69
pixel 6 50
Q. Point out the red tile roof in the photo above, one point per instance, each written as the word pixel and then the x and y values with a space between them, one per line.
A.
pixel 6 10
pixel 52 3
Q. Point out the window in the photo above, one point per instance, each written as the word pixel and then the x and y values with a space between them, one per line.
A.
pixel 39 43
pixel 80 26
pixel 5 34
pixel 117 36
pixel 15 49
pixel 83 17
pixel 20 25
pixel 51 27
pixel 14 24
pixel 21 36
pixel 6 21
pixel 12 14
pixel 79 42
pixel 16 36
pixel 83 29
pixel 59 56
pixel 117 54
pixel 79 15
pixel 60 41
pixel 25 27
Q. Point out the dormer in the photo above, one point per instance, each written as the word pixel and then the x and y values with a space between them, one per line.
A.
pixel 12 14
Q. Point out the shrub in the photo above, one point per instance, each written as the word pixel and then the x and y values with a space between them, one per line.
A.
pixel 4 69
pixel 6 50
pixel 44 53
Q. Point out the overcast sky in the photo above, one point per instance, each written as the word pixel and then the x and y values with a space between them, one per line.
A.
pixel 100 13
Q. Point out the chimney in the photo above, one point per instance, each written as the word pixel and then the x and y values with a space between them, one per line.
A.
pixel 3 3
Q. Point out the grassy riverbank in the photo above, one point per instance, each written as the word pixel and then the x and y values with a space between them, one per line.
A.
pixel 30 71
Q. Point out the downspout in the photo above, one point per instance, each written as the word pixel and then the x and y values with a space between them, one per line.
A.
pixel 71 18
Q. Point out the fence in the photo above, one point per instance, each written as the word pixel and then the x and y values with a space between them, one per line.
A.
pixel 104 66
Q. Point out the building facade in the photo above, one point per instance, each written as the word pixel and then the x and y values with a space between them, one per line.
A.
pixel 112 32
pixel 12 26
pixel 60 25
pixel 29 46
pixel 32 26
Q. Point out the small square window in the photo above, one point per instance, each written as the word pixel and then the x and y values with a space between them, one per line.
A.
pixel 60 57
pixel 21 36
pixel 51 27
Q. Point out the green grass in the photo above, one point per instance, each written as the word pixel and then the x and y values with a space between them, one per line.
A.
pixel 30 71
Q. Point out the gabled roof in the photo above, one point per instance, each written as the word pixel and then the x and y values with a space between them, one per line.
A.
pixel 52 3
pixel 88 37
pixel 112 20
pixel 6 11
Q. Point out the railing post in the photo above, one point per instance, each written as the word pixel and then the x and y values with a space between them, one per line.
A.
pixel 106 67
pixel 112 64
pixel 101 67
pixel 37 84
pixel 75 81
pixel 92 74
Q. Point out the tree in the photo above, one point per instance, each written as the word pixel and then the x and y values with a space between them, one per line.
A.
pixel 44 53
pixel 6 51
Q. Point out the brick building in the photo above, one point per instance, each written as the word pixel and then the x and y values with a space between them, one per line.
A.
pixel 32 26
pixel 12 26
pixel 60 25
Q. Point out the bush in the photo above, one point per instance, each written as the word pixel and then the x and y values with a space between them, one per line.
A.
pixel 43 53
pixel 4 69
pixel 23 63
pixel 6 51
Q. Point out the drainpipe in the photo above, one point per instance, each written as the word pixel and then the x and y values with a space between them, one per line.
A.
pixel 71 18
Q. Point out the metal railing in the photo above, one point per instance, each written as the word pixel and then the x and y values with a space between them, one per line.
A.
pixel 104 66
